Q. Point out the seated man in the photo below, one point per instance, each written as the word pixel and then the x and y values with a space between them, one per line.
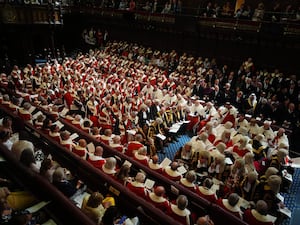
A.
pixel 204 220
pixel 66 141
pixel 80 149
pixel 109 167
pixel 138 186
pixel 158 200
pixel 188 181
pixel 179 211
pixel 259 215
pixel 231 205
pixel 206 192
pixel 171 172
pixel 141 156
pixel 24 112
pixel 54 133
pixel 116 144
pixel 96 158
pixel 134 145
pixel 154 165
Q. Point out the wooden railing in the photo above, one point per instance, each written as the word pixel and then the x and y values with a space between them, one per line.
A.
pixel 94 178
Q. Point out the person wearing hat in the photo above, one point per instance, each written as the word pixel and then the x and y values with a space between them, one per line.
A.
pixel 250 104
pixel 248 186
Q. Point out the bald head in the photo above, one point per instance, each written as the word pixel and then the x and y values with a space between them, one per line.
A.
pixel 159 191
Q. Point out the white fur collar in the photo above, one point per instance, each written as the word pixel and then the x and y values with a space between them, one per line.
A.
pixel 155 198
pixel 235 208
pixel 93 157
pixel 23 111
pixel 137 184
pixel 171 172
pixel 140 157
pixel 186 183
pixel 108 171
pixel 180 212
pixel 262 218
pixel 77 147
pixel 54 134
pixel 106 138
pixel 206 191
pixel 154 166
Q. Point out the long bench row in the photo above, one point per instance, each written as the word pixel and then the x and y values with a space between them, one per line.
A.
pixel 94 178
pixel 197 204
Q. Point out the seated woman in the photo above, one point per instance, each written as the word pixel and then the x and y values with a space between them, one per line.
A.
pixel 109 167
pixel 28 160
pixel 93 207
pixel 123 174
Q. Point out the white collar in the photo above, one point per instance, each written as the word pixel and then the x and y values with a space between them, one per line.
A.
pixel 262 218
pixel 155 198
pixel 137 184
pixel 186 183
pixel 235 208
pixel 108 171
pixel 180 212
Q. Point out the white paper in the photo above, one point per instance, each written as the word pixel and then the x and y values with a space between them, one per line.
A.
pixel 181 170
pixel 132 132
pixel 186 121
pixel 149 183
pixel 244 203
pixel 37 206
pixel 161 136
pixel 91 147
pixel 286 211
pixel 59 124
pixel 228 161
pixel 287 175
pixel 295 162
pixel 31 109
pixel 64 112
pixel 165 162
pixel 74 136
pixel 280 197
pixel 36 115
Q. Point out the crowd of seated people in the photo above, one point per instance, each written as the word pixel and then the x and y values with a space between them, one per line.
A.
pixel 137 95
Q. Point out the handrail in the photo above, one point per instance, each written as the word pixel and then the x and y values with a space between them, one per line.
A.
pixel 86 169
pixel 40 187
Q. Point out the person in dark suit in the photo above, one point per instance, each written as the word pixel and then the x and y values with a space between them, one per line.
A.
pixel 238 101
pixel 217 96
pixel 198 89
pixel 210 77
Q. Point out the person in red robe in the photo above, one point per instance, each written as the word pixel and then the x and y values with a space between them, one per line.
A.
pixel 179 211
pixel 231 205
pixel 138 186
pixel 96 158
pixel 158 200
pixel 258 216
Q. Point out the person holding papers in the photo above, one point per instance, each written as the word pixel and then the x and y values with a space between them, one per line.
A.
pixel 206 192
pixel 66 140
pixel 158 199
pixel 154 165
pixel 171 172
pixel 138 185
pixel 157 132
pixel 189 180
